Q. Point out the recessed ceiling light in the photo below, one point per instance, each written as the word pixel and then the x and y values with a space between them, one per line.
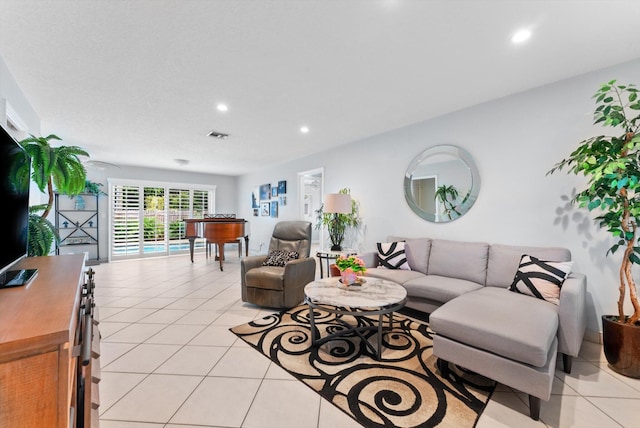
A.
pixel 304 129
pixel 222 107
pixel 521 36
pixel 181 162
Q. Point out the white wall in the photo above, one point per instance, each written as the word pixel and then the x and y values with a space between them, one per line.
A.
pixel 514 141
pixel 11 97
pixel 11 92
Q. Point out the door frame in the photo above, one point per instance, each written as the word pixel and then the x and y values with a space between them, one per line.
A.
pixel 302 175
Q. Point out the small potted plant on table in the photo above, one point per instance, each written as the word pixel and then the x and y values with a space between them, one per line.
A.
pixel 350 268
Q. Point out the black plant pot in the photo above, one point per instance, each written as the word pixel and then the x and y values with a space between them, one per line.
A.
pixel 621 346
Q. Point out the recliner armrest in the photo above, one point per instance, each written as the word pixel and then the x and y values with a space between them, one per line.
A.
pixel 300 271
pixel 572 314
pixel 249 263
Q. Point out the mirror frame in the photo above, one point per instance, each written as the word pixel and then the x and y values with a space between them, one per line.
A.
pixel 445 149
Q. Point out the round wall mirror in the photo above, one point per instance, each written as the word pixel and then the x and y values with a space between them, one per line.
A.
pixel 442 183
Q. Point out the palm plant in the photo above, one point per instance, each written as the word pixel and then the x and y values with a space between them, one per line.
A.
pixel 41 232
pixel 51 168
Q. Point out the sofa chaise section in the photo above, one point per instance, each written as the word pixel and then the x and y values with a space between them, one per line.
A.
pixel 479 323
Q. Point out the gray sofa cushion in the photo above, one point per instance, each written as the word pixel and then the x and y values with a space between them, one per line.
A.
pixel 522 330
pixel 462 260
pixel 505 259
pixel 439 288
pixel 396 275
pixel 417 251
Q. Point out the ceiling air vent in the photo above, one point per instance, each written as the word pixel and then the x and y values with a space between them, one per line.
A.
pixel 217 134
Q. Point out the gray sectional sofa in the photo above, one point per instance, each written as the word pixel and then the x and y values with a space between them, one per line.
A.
pixel 481 325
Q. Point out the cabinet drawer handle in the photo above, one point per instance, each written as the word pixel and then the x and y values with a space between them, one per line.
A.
pixel 85 355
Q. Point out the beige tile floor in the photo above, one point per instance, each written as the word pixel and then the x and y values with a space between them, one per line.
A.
pixel 168 360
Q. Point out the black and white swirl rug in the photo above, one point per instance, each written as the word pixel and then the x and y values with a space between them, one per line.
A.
pixel 403 389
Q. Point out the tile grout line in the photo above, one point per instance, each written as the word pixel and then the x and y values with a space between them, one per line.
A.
pixel 147 374
pixel 203 379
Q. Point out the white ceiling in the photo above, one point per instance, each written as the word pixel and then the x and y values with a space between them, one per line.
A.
pixel 137 82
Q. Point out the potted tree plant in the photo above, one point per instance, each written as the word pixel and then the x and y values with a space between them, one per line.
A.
pixel 51 167
pixel 612 167
pixel 338 224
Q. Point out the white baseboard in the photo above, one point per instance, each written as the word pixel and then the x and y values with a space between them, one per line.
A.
pixel 593 336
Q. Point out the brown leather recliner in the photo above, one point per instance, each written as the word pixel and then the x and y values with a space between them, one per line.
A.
pixel 275 286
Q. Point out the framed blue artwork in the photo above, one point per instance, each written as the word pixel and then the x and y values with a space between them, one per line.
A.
pixel 265 192
pixel 255 198
pixel 282 187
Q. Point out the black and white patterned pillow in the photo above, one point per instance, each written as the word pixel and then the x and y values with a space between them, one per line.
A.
pixel 280 257
pixel 392 255
pixel 540 278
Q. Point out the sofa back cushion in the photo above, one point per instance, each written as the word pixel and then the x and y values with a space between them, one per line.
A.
pixel 417 251
pixel 462 260
pixel 505 259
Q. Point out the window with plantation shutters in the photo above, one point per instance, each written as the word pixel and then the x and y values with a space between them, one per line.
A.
pixel 200 203
pixel 154 220
pixel 146 218
pixel 125 220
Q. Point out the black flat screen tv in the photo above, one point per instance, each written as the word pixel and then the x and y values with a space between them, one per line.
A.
pixel 14 213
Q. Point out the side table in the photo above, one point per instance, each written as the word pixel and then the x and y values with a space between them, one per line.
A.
pixel 328 256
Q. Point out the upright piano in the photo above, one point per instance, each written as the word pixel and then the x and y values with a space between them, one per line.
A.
pixel 218 231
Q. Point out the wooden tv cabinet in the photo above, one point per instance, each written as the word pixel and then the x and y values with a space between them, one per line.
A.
pixel 45 376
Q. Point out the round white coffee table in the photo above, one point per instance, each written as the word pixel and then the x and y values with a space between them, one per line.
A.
pixel 374 297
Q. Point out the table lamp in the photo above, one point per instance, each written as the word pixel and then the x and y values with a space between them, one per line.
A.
pixel 337 204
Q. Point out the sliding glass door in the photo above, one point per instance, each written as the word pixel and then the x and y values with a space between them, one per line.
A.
pixel 146 219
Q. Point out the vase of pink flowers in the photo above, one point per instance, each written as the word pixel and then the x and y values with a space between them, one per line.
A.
pixel 350 268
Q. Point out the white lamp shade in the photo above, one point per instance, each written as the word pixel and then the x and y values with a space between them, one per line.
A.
pixel 339 203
